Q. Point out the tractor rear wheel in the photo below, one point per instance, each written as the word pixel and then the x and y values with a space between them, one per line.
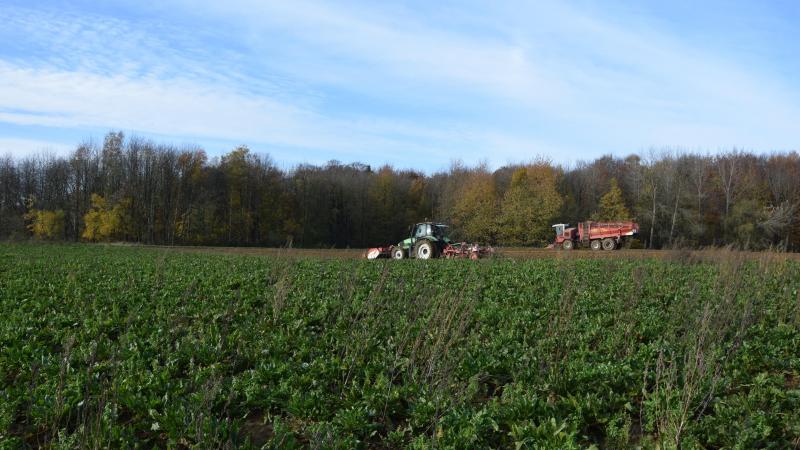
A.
pixel 596 244
pixel 398 253
pixel 425 250
pixel 567 245
pixel 609 244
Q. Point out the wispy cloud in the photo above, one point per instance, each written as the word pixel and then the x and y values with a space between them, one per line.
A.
pixel 185 108
pixel 310 80
pixel 19 148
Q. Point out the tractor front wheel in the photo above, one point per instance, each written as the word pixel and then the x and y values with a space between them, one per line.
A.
pixel 609 244
pixel 567 245
pixel 425 250
pixel 596 245
pixel 398 253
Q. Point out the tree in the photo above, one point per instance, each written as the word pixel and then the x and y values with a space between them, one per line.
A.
pixel 111 163
pixel 474 210
pixel 776 222
pixel 529 205
pixel 236 165
pixel 388 214
pixel 697 220
pixel 781 173
pixel 12 207
pixel 155 193
pixel 612 207
pixel 104 222
pixel 419 203
pixel 191 173
pixel 44 224
pixel 739 182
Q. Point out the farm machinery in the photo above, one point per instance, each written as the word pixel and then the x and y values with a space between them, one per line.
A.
pixel 598 235
pixel 429 240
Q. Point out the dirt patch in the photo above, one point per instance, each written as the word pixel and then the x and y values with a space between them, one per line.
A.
pixel 505 252
pixel 257 430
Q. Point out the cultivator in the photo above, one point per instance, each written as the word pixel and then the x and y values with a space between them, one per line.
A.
pixel 429 240
pixel 459 250
pixel 465 250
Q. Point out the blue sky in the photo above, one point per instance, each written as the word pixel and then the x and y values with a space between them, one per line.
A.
pixel 415 84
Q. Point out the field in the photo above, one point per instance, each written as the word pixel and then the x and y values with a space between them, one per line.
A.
pixel 104 346
pixel 499 252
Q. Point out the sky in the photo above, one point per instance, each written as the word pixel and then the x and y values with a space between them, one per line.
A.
pixel 415 84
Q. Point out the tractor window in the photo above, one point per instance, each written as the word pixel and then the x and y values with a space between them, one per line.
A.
pixel 420 230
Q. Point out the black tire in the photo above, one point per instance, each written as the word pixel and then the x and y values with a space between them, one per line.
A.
pixel 609 244
pixel 567 245
pixel 425 250
pixel 596 244
pixel 398 253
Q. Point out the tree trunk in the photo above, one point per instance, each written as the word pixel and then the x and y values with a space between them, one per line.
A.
pixel 653 221
pixel 674 217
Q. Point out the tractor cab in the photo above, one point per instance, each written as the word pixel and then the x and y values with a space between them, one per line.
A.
pixel 428 230
pixel 560 227
pixel 432 231
pixel 421 230
pixel 564 235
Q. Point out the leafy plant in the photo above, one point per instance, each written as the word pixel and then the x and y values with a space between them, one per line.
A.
pixel 103 346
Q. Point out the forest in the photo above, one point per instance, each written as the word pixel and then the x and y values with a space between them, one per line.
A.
pixel 129 189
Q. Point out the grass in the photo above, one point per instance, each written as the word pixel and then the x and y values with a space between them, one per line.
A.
pixel 116 346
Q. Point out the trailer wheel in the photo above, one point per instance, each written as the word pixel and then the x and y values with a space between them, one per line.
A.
pixel 609 244
pixel 596 244
pixel 425 250
pixel 398 253
pixel 567 245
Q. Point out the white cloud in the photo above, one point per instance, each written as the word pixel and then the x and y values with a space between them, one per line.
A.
pixel 26 147
pixel 521 79
pixel 186 108
pixel 364 45
pixel 621 82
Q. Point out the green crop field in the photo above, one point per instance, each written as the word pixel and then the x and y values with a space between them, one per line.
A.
pixel 114 346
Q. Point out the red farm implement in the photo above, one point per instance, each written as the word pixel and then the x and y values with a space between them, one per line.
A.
pixel 598 235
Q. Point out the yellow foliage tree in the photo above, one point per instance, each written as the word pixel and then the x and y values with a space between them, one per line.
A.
pixel 45 224
pixel 474 211
pixel 237 167
pixel 104 222
pixel 529 204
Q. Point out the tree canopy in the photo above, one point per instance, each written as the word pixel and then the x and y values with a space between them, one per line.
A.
pixel 130 189
pixel 529 206
pixel 612 205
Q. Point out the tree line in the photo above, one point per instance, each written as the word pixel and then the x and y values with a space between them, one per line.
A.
pixel 139 191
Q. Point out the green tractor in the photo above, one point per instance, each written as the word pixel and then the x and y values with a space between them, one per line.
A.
pixel 429 240
pixel 426 240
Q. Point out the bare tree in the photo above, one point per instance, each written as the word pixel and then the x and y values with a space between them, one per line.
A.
pixel 728 171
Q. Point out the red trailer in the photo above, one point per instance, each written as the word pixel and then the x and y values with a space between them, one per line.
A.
pixel 605 235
